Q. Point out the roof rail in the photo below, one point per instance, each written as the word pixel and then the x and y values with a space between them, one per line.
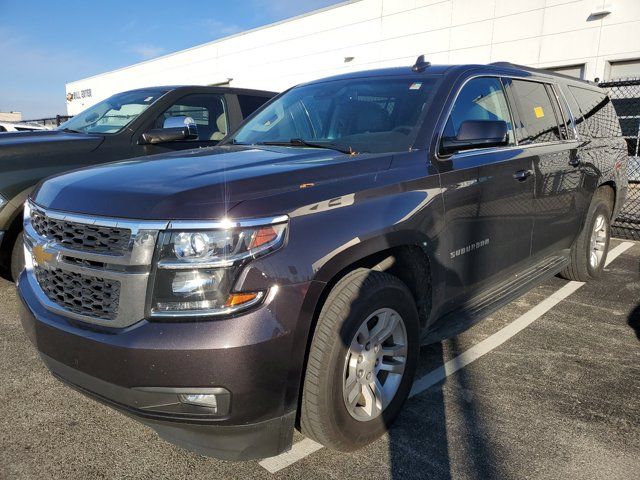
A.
pixel 538 70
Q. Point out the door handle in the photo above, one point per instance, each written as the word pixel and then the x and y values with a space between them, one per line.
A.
pixel 522 175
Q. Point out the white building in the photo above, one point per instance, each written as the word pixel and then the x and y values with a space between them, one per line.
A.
pixel 10 116
pixel 586 38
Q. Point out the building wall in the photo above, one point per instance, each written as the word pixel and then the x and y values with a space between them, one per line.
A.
pixel 10 116
pixel 376 33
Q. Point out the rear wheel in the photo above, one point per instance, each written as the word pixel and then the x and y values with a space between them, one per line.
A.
pixel 589 251
pixel 362 360
pixel 17 257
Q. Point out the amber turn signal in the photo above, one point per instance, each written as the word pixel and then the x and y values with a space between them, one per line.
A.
pixel 263 236
pixel 236 299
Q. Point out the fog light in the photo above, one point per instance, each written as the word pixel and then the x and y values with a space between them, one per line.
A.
pixel 200 399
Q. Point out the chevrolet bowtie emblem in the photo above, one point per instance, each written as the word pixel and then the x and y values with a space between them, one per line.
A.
pixel 40 255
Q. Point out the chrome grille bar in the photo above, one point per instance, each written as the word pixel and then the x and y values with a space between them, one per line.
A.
pixel 52 262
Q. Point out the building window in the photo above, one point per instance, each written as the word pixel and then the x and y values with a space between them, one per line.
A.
pixel 626 69
pixel 571 70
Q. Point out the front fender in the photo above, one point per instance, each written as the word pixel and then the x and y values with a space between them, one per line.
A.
pixel 325 238
pixel 13 208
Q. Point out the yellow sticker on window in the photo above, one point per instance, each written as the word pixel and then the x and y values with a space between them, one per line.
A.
pixel 539 112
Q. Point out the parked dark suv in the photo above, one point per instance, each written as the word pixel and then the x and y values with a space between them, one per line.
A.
pixel 287 277
pixel 147 121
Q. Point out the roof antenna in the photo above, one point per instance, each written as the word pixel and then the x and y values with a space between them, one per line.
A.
pixel 421 65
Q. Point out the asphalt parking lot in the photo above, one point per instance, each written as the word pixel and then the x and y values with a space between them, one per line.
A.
pixel 547 387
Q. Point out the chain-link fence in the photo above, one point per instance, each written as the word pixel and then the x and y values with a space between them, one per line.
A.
pixel 50 121
pixel 625 95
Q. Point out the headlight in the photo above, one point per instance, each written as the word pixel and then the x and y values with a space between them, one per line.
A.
pixel 3 202
pixel 196 270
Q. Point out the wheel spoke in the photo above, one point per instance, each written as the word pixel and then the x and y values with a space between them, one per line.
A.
pixel 394 351
pixel 599 223
pixel 380 393
pixel 387 323
pixel 393 366
pixel 372 404
pixel 362 337
pixel 353 395
pixel 350 383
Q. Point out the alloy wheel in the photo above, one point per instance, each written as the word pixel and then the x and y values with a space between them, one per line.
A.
pixel 375 364
pixel 598 241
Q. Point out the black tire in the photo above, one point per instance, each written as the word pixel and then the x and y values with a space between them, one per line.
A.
pixel 324 415
pixel 17 258
pixel 580 268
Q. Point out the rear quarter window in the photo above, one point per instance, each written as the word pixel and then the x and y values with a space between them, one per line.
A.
pixel 598 112
pixel 581 123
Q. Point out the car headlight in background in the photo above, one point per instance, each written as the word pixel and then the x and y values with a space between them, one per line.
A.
pixel 196 270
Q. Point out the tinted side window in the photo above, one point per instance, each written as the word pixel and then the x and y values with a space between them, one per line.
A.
pixel 538 117
pixel 598 112
pixel 581 124
pixel 250 103
pixel 480 99
pixel 207 110
pixel 566 128
pixel 2 129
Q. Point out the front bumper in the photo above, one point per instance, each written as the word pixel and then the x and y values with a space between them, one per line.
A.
pixel 254 357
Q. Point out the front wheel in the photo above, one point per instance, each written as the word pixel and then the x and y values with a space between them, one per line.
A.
pixel 362 360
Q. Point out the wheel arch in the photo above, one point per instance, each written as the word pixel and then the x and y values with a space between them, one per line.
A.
pixel 12 224
pixel 612 194
pixel 409 261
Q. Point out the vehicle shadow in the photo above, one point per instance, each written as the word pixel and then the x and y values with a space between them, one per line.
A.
pixel 440 436
pixel 418 439
pixel 442 433
pixel 634 321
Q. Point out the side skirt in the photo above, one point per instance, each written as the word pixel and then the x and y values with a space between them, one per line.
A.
pixel 489 301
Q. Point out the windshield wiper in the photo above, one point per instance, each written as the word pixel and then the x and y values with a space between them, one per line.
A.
pixel 70 130
pixel 299 142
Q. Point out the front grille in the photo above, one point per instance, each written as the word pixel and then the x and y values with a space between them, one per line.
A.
pixel 81 294
pixel 80 236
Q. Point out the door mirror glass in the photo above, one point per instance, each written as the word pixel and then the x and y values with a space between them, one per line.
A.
pixel 477 134
pixel 174 129
pixel 179 121
pixel 208 112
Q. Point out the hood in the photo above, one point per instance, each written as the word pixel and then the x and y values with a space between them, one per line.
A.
pixel 198 184
pixel 44 142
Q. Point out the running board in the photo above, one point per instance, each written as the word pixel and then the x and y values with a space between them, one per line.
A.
pixel 486 303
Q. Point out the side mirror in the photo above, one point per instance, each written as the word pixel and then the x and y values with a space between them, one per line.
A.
pixel 173 129
pixel 476 134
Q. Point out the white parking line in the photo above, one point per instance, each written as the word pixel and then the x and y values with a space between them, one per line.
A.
pixel 298 452
pixel 307 446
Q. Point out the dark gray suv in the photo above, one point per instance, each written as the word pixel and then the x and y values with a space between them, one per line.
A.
pixel 287 277
pixel 141 122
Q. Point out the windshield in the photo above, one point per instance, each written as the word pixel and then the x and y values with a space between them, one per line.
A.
pixel 114 113
pixel 363 115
